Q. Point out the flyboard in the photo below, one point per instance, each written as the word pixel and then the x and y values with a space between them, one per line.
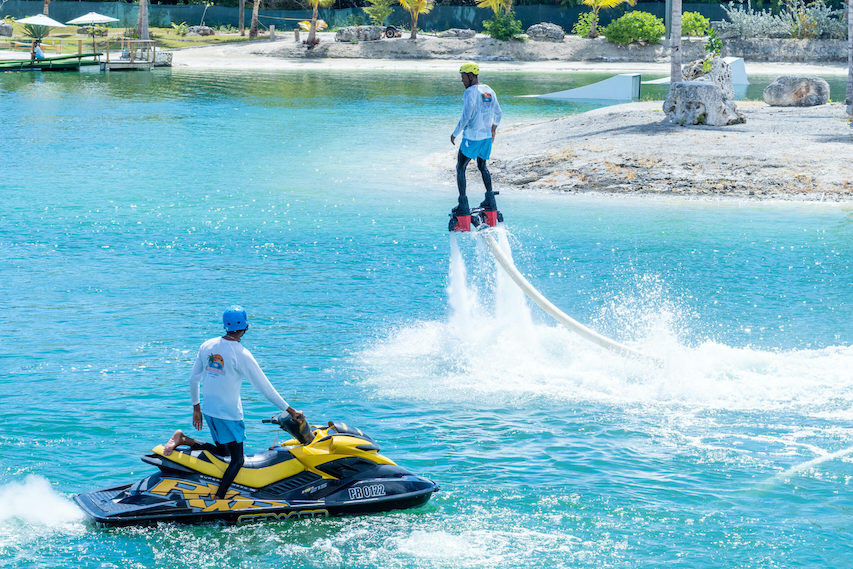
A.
pixel 487 217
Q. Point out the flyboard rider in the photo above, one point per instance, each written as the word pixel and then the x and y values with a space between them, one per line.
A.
pixel 481 115
pixel 220 367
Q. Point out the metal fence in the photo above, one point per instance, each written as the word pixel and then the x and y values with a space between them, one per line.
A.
pixel 441 17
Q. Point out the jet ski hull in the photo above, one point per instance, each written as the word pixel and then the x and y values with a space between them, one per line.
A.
pixel 180 493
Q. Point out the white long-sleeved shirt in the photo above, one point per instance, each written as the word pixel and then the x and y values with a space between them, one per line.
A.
pixel 480 110
pixel 221 366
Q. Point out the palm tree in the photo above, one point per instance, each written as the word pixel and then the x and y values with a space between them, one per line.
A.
pixel 675 44
pixel 253 30
pixel 497 6
pixel 315 5
pixel 241 17
pixel 597 5
pixel 142 21
pixel 850 57
pixel 415 8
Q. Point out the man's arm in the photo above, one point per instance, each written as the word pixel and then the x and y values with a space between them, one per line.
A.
pixel 497 117
pixel 262 383
pixel 469 101
pixel 195 381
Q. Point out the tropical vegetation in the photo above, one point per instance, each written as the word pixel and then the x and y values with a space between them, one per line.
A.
pixel 596 6
pixel 379 10
pixel 633 27
pixel 694 24
pixel 315 7
pixel 415 8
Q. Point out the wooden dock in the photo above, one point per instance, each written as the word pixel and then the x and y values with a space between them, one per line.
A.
pixel 135 55
pixel 57 63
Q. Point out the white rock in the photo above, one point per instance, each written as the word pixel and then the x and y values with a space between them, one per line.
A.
pixel 720 74
pixel 789 91
pixel 546 31
pixel 5 29
pixel 700 102
pixel 359 33
pixel 162 58
pixel 457 33
pixel 201 30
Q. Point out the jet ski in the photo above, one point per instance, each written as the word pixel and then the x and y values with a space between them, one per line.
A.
pixel 335 470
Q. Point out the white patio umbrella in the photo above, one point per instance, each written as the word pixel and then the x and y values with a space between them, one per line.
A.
pixel 41 20
pixel 91 19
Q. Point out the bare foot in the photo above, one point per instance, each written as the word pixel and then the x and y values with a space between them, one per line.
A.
pixel 177 439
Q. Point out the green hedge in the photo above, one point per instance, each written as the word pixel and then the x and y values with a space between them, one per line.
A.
pixel 635 26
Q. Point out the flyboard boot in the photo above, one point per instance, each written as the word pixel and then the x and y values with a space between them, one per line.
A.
pixel 487 213
pixel 460 216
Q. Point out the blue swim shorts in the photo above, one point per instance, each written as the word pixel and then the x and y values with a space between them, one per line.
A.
pixel 476 148
pixel 225 431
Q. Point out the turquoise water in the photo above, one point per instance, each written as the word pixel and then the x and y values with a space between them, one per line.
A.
pixel 137 206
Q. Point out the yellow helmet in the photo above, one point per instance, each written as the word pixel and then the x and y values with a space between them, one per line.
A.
pixel 470 67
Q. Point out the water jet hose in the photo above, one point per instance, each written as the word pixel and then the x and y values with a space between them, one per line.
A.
pixel 557 314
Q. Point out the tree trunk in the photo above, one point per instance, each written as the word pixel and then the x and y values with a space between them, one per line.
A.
pixel 312 31
pixel 414 35
pixel 593 29
pixel 675 44
pixel 142 21
pixel 850 57
pixel 45 9
pixel 253 29
pixel 241 17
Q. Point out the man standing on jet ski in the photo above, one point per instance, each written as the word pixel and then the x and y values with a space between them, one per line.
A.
pixel 220 367
pixel 481 115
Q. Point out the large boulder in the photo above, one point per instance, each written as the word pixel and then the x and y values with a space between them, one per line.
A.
pixel 458 33
pixel 162 58
pixel 797 92
pixel 359 33
pixel 201 30
pixel 700 102
pixel 711 70
pixel 5 29
pixel 546 32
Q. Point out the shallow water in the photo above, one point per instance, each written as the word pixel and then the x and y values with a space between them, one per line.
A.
pixel 137 206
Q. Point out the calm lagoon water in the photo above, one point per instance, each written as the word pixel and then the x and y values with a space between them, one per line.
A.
pixel 137 206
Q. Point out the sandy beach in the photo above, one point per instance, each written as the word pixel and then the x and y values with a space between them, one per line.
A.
pixel 781 153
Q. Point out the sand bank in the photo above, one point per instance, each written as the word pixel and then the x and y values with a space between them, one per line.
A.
pixel 285 54
pixel 779 153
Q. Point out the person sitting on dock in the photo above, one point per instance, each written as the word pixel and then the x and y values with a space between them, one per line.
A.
pixel 37 52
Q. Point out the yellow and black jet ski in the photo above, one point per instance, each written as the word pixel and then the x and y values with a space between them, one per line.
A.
pixel 337 471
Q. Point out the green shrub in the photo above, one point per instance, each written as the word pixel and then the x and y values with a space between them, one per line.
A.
pixel 635 26
pixel 36 31
pixel 503 26
pixel 694 24
pixel 583 24
pixel 714 45
pixel 379 10
pixel 181 29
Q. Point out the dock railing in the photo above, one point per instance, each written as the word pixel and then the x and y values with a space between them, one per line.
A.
pixel 136 49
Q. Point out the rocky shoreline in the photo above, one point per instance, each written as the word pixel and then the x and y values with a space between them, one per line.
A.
pixel 800 154
pixel 571 48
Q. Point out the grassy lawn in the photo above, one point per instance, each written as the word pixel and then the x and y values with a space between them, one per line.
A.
pixel 65 40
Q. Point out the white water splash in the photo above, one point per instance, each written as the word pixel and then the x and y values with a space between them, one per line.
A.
pixel 35 502
pixel 492 344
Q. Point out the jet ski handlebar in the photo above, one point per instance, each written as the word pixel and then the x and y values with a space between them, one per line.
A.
pixel 300 431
